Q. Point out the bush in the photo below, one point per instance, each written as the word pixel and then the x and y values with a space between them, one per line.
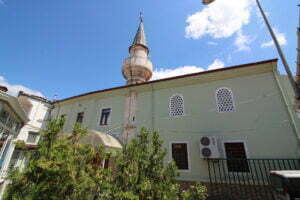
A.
pixel 62 168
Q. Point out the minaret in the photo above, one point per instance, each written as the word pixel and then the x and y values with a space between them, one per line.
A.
pixel 138 68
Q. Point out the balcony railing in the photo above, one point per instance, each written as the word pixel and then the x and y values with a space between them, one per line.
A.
pixel 248 177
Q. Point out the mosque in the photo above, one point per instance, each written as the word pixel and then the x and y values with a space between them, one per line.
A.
pixel 244 111
pixel 239 112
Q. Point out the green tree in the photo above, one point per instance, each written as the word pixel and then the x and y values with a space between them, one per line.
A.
pixel 140 170
pixel 64 169
pixel 142 174
pixel 61 168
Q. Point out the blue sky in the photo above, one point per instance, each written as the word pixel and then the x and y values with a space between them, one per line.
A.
pixel 69 47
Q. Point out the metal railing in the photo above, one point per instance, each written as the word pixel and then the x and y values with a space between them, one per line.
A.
pixel 247 177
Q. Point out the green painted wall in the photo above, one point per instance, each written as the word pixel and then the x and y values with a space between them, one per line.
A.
pixel 262 119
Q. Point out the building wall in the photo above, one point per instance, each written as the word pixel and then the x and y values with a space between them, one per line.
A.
pixel 261 119
pixel 38 115
pixel 92 111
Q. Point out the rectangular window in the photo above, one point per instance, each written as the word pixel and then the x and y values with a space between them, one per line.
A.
pixel 3 116
pixel 105 114
pixel 64 117
pixel 79 118
pixel 180 155
pixel 237 158
pixel 32 137
pixel 106 163
pixel 10 122
pixel 5 135
pixel 14 158
pixel 17 127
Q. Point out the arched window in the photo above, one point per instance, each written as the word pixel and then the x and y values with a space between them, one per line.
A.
pixel 224 100
pixel 176 106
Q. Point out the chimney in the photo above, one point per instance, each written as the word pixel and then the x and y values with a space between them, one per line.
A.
pixel 3 88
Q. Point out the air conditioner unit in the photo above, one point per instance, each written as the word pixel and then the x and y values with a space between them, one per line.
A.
pixel 209 147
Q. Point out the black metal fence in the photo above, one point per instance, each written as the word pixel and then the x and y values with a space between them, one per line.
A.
pixel 245 178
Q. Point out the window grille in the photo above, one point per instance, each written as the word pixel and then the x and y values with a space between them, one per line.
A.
pixel 224 99
pixel 176 106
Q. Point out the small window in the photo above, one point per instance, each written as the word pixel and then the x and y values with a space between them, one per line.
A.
pixel 105 116
pixel 5 135
pixel 17 127
pixel 3 116
pixel 176 106
pixel 106 163
pixel 79 118
pixel 10 122
pixel 224 100
pixel 180 155
pixel 236 157
pixel 32 137
pixel 14 159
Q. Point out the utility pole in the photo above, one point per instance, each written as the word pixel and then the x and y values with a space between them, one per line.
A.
pixel 281 54
pixel 294 83
pixel 298 53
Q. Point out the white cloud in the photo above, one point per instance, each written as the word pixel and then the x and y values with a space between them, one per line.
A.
pixel 166 73
pixel 220 19
pixel 14 89
pixel 212 43
pixel 217 64
pixel 280 37
pixel 242 41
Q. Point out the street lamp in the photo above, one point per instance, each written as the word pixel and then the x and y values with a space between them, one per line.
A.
pixel 280 52
pixel 206 2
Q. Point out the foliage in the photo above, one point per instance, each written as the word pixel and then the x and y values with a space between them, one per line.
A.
pixel 62 168
pixel 141 173
pixel 195 192
pixel 20 144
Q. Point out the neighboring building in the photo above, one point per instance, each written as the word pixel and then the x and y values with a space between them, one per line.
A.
pixel 246 110
pixel 12 119
pixel 37 110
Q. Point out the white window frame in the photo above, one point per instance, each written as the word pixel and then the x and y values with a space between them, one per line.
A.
pixel 109 118
pixel 246 151
pixel 36 139
pixel 217 100
pixel 183 107
pixel 188 154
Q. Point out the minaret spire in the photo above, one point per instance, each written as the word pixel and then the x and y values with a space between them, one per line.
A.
pixel 140 36
pixel 138 68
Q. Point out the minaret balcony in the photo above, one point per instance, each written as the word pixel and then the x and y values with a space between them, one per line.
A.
pixel 137 61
